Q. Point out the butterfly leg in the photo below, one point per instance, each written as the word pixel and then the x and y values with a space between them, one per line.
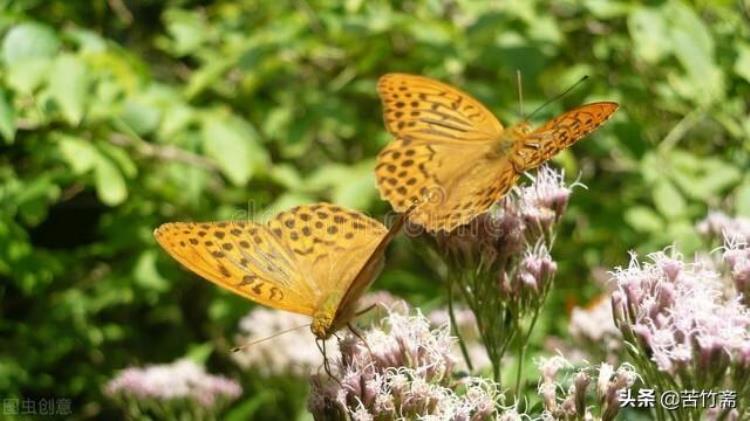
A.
pixel 365 310
pixel 326 364
pixel 369 309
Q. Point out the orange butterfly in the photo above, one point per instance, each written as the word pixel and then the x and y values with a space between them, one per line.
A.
pixel 452 159
pixel 315 260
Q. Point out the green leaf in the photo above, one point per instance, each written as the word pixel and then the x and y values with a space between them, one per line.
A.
pixel 26 75
pixel 693 46
pixel 546 30
pixel 80 154
pixel 186 29
pixel 176 118
pixel 140 116
pixel 246 409
pixel 699 177
pixel 121 157
pixel 233 144
pixel 668 199
pixel 644 219
pixel 287 176
pixel 607 9
pixel 742 200
pixel 110 184
pixel 206 76
pixel 649 32
pixel 88 41
pixel 199 353
pixel 742 65
pixel 146 274
pixel 351 186
pixel 68 86
pixel 682 234
pixel 431 32
pixel 35 198
pixel 29 40
pixel 7 118
pixel 719 176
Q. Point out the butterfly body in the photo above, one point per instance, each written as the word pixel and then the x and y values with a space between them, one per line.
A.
pixel 323 325
pixel 316 260
pixel 452 159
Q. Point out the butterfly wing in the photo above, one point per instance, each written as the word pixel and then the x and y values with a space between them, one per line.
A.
pixel 367 273
pixel 419 108
pixel 561 132
pixel 448 182
pixel 330 242
pixel 340 249
pixel 243 257
pixel 440 158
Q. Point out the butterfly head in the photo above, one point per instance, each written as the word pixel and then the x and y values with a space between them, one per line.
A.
pixel 521 129
pixel 322 323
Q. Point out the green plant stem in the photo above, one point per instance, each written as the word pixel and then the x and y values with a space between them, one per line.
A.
pixel 522 346
pixel 454 327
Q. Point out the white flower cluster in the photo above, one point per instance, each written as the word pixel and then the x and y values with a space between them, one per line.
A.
pixel 680 314
pixel 181 380
pixel 404 371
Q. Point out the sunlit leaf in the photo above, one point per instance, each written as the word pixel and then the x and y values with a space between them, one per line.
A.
pixel 146 275
pixel 694 47
pixel 742 65
pixel 140 116
pixel 668 199
pixel 650 35
pixel 89 41
pixel 27 41
pixel 186 29
pixel 121 157
pixel 68 86
pixel 207 75
pixel 643 219
pixel 742 200
pixel 80 154
pixel 110 183
pixel 26 75
pixel 233 144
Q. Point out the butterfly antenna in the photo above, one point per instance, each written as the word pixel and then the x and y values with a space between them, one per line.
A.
pixel 255 342
pixel 326 364
pixel 520 92
pixel 558 96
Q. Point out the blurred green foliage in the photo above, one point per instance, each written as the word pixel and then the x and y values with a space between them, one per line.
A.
pixel 117 116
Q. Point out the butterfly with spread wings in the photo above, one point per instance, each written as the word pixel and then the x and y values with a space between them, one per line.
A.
pixel 452 159
pixel 316 260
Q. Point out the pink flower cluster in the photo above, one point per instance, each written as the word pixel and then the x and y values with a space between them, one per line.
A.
pixel 182 380
pixel 543 203
pixel 684 321
pixel 720 225
pixel 519 221
pixel 466 326
pixel 500 262
pixel 737 258
pixel 289 353
pixel 404 371
pixel 594 332
pixel 574 404
pixel 533 273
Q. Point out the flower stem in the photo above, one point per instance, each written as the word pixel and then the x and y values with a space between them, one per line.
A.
pixel 456 330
